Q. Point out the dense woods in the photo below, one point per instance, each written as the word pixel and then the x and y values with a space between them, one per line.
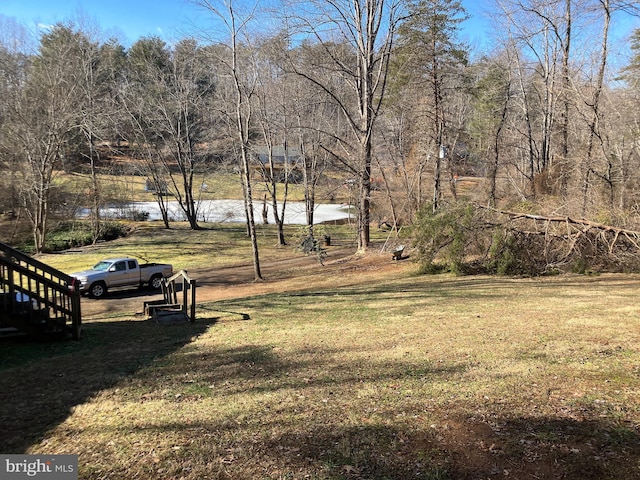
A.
pixel 383 97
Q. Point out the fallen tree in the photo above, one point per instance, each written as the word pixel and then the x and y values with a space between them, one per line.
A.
pixel 579 244
pixel 473 238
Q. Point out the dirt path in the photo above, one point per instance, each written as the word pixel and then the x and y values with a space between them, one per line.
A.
pixel 236 281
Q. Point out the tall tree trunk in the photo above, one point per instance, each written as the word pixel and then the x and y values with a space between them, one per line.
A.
pixel 96 216
pixel 437 171
pixel 242 125
pixel 496 149
pixel 566 89
pixel 364 197
pixel 595 105
pixel 251 223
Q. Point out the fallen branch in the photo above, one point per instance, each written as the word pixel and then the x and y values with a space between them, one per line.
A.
pixel 567 240
pixel 589 223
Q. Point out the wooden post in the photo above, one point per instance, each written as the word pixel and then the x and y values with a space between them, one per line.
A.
pixel 192 317
pixel 185 297
pixel 76 316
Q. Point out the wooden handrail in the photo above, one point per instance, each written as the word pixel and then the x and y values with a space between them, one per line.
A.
pixel 46 288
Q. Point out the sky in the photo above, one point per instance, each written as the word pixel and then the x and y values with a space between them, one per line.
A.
pixel 129 20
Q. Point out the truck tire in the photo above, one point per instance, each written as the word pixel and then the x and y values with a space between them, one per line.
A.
pixel 155 282
pixel 98 290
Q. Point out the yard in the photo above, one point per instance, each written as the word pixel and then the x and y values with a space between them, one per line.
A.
pixel 353 370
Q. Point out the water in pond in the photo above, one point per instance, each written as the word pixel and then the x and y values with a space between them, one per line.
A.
pixel 231 211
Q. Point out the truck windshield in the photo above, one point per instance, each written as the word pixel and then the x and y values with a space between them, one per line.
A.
pixel 102 266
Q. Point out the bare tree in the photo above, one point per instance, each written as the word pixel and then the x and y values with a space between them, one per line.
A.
pixel 356 39
pixel 169 99
pixel 274 117
pixel 43 118
pixel 537 28
pixel 594 104
pixel 561 97
pixel 626 121
pixel 95 78
pixel 242 78
pixel 313 117
pixel 492 101
pixel 592 101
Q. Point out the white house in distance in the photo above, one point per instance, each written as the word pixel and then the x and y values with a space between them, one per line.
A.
pixel 285 161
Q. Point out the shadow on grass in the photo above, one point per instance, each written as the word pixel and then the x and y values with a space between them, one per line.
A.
pixel 258 370
pixel 41 382
pixel 341 440
pixel 344 440
pixel 544 448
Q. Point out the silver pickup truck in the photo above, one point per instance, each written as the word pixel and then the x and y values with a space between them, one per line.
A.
pixel 121 273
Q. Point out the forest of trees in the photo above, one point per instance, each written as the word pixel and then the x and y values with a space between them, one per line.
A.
pixel 385 93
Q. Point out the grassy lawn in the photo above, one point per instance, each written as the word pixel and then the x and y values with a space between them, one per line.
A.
pixel 387 376
pixel 219 186
pixel 216 245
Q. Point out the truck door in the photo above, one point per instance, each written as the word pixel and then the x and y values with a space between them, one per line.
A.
pixel 133 277
pixel 118 274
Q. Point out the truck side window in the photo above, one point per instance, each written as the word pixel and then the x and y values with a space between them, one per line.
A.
pixel 120 266
pixel 132 264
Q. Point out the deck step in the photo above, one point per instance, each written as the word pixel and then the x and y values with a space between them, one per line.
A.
pixel 9 332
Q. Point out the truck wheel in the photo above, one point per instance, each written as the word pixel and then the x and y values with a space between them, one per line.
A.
pixel 155 282
pixel 98 290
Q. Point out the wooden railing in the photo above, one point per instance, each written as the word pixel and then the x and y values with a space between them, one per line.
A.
pixel 36 298
pixel 170 309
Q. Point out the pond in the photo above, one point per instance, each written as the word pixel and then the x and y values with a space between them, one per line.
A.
pixel 231 211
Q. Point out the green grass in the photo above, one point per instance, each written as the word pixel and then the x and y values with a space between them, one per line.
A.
pixel 220 244
pixel 220 186
pixel 378 376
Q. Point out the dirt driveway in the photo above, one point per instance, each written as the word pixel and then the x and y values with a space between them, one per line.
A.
pixel 297 272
